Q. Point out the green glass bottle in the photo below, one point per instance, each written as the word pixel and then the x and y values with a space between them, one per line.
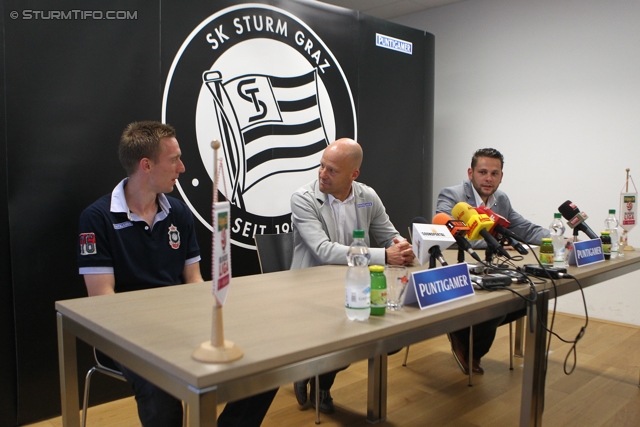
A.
pixel 378 290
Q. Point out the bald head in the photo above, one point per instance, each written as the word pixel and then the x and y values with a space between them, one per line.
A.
pixel 339 167
pixel 348 149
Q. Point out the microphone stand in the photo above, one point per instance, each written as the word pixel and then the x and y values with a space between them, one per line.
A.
pixel 571 255
pixel 488 255
pixel 531 310
pixel 432 261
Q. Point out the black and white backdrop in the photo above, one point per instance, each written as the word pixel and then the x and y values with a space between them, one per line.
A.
pixel 275 81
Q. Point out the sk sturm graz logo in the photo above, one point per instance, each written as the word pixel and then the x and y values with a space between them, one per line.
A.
pixel 174 237
pixel 260 81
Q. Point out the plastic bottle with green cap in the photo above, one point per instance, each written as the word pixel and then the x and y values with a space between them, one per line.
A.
pixel 556 229
pixel 357 302
pixel 611 224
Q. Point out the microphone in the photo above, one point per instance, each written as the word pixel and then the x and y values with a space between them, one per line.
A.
pixel 479 226
pixel 458 230
pixel 501 228
pixel 575 218
pixel 434 250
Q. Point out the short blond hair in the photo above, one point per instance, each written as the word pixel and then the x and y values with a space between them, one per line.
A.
pixel 142 140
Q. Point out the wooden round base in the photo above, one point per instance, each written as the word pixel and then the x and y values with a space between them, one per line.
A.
pixel 210 354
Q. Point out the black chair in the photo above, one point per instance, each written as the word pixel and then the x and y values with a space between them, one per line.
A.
pixel 106 366
pixel 275 253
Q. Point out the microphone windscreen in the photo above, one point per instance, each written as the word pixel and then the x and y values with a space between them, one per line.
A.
pixel 497 219
pixel 474 220
pixel 419 220
pixel 568 210
pixel 441 218
pixel 575 218
pixel 456 228
pixel 461 211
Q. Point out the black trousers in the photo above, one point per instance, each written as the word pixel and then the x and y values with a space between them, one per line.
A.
pixel 325 380
pixel 483 335
pixel 157 408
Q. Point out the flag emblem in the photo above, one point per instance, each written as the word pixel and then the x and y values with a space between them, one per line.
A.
pixel 270 125
pixel 272 92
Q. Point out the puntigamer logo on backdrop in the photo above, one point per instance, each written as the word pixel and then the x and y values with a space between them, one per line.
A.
pixel 260 81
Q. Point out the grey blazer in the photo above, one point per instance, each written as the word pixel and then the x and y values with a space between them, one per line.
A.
pixel 463 192
pixel 314 226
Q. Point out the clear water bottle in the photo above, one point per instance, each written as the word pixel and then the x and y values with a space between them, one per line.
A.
pixel 357 301
pixel 557 237
pixel 611 225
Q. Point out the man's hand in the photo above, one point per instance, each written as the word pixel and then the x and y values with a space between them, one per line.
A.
pixel 400 253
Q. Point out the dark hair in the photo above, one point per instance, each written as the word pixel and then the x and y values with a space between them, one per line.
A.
pixel 140 140
pixel 487 152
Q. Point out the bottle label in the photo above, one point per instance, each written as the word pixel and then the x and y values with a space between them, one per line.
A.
pixel 378 298
pixel 558 256
pixel 357 298
pixel 546 258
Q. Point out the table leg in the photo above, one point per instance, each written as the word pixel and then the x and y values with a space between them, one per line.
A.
pixel 377 389
pixel 202 409
pixel 533 378
pixel 470 358
pixel 519 341
pixel 68 367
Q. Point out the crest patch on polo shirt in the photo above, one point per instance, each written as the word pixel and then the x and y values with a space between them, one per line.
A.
pixel 174 237
pixel 88 244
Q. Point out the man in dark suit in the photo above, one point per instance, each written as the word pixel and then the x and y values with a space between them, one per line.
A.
pixel 481 189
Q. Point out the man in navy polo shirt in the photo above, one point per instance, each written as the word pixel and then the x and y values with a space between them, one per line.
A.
pixel 139 238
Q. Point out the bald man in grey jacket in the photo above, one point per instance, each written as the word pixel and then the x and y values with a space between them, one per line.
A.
pixel 324 213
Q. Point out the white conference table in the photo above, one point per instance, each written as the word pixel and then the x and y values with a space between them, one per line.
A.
pixel 290 325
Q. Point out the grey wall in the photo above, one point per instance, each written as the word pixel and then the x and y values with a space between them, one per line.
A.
pixel 554 86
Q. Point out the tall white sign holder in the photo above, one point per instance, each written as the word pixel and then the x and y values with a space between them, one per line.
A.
pixel 628 213
pixel 219 350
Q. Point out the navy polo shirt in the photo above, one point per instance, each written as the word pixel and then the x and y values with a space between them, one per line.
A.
pixel 114 240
